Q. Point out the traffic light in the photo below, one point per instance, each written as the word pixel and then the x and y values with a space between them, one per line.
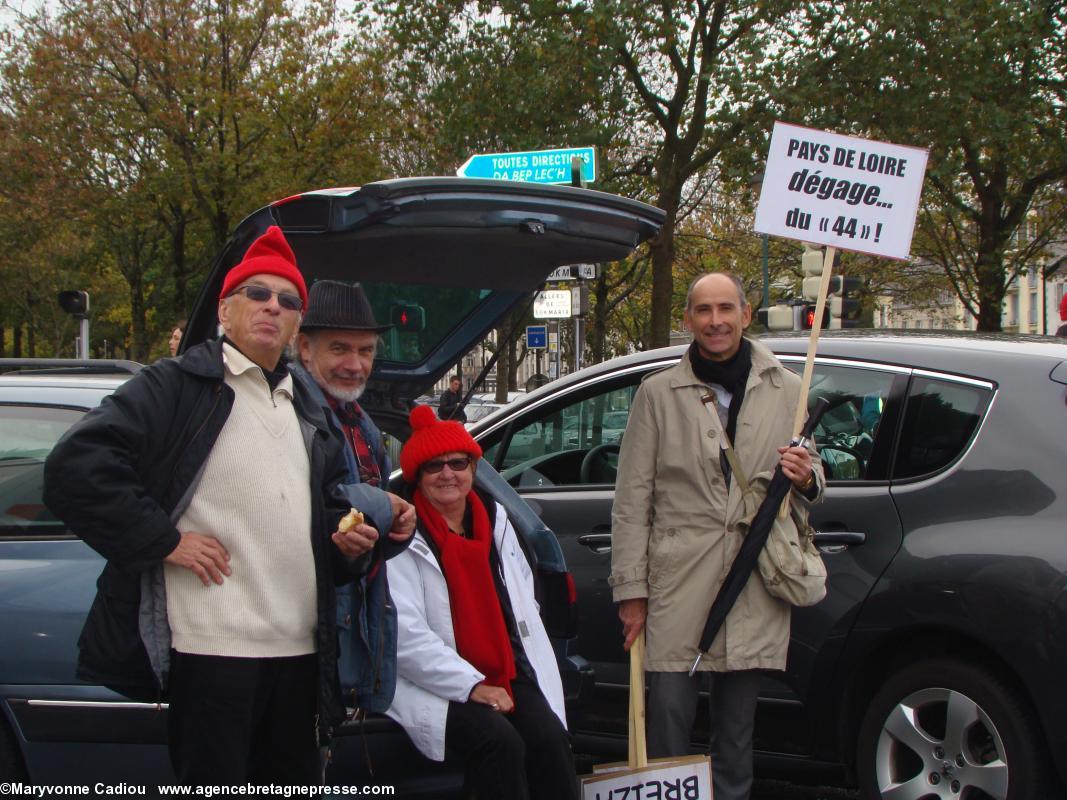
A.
pixel 844 299
pixel 807 317
pixel 811 266
pixel 74 302
pixel 776 318
pixel 408 317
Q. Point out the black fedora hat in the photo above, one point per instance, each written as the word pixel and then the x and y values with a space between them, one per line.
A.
pixel 337 305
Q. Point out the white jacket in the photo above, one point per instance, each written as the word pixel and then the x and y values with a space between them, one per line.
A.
pixel 429 670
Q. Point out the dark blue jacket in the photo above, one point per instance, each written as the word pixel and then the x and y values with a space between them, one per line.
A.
pixel 122 476
pixel 366 618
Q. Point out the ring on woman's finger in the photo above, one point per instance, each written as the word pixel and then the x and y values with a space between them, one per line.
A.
pixel 494 705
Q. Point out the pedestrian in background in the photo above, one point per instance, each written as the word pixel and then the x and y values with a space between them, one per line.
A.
pixel 450 405
pixel 176 334
pixel 674 527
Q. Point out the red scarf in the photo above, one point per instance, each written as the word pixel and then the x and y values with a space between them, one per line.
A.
pixel 477 619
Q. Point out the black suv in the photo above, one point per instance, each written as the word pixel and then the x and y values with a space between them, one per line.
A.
pixel 936 665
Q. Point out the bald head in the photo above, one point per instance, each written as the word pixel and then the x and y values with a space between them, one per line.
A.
pixel 717 313
pixel 728 275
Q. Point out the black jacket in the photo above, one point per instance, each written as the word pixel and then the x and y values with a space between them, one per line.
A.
pixel 122 476
pixel 448 407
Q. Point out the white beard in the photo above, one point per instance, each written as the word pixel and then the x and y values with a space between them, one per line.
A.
pixel 344 395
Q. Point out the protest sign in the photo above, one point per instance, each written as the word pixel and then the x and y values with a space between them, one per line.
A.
pixel 682 778
pixel 675 778
pixel 842 191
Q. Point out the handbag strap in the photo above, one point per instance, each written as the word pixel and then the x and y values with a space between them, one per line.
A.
pixel 710 400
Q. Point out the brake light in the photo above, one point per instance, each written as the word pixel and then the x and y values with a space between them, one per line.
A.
pixel 572 590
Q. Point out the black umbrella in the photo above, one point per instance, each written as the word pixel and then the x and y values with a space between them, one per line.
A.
pixel 758 531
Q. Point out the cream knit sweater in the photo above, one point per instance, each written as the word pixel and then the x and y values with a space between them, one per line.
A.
pixel 255 498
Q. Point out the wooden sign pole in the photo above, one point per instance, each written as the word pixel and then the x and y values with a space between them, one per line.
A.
pixel 813 340
pixel 638 757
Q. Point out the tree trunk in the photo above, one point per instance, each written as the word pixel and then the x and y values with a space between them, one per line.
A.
pixel 503 365
pixel 990 268
pixel 138 328
pixel 990 292
pixel 513 367
pixel 662 250
pixel 181 276
pixel 16 342
pixel 31 332
pixel 599 334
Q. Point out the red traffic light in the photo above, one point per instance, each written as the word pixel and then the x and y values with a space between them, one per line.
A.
pixel 408 317
pixel 807 317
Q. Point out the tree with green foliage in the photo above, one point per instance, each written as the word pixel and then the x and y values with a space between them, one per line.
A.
pixel 161 124
pixel 665 89
pixel 982 85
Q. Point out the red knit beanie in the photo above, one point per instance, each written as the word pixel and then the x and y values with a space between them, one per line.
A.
pixel 432 437
pixel 1063 308
pixel 270 254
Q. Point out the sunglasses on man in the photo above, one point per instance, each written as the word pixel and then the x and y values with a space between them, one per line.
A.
pixel 454 464
pixel 261 294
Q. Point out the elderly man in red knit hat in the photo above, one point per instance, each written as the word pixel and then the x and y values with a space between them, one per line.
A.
pixel 208 482
pixel 1062 330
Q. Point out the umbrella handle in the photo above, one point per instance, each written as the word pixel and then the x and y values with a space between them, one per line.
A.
pixel 822 405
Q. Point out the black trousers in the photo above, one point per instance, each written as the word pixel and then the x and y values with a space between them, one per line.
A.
pixel 672 708
pixel 244 720
pixel 524 754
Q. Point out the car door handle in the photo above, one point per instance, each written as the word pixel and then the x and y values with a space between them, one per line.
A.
pixel 837 541
pixel 597 542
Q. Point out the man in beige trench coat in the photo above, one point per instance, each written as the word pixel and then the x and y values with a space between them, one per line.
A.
pixel 674 531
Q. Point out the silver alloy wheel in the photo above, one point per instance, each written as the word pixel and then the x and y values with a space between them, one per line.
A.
pixel 938 743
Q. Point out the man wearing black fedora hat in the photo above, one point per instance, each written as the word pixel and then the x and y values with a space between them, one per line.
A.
pixel 337 344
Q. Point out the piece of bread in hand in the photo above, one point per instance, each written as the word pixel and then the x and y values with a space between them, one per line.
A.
pixel 350 520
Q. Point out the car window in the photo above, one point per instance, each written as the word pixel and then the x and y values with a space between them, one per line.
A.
pixel 569 445
pixel 940 418
pixel 476 411
pixel 27 435
pixel 415 331
pixel 848 434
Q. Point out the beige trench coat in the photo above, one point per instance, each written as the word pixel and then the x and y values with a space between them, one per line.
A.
pixel 674 531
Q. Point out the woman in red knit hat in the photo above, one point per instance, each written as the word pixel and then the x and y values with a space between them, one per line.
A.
pixel 477 678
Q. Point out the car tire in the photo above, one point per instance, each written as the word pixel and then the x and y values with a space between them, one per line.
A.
pixel 11 766
pixel 944 728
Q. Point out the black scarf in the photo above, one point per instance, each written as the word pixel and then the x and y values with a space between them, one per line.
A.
pixel 731 374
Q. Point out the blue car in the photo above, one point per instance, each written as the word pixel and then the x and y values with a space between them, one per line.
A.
pixel 444 259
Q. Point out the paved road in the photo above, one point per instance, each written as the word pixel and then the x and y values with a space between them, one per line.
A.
pixel 781 790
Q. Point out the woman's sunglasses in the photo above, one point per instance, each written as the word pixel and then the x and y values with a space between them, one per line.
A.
pixel 261 294
pixel 454 464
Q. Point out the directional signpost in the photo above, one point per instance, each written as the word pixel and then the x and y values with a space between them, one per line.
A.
pixel 536 337
pixel 552 304
pixel 533 166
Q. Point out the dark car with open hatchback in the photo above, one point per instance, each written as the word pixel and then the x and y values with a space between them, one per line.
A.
pixel 444 259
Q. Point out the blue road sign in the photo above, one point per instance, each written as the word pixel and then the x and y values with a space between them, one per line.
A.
pixel 536 337
pixel 535 166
